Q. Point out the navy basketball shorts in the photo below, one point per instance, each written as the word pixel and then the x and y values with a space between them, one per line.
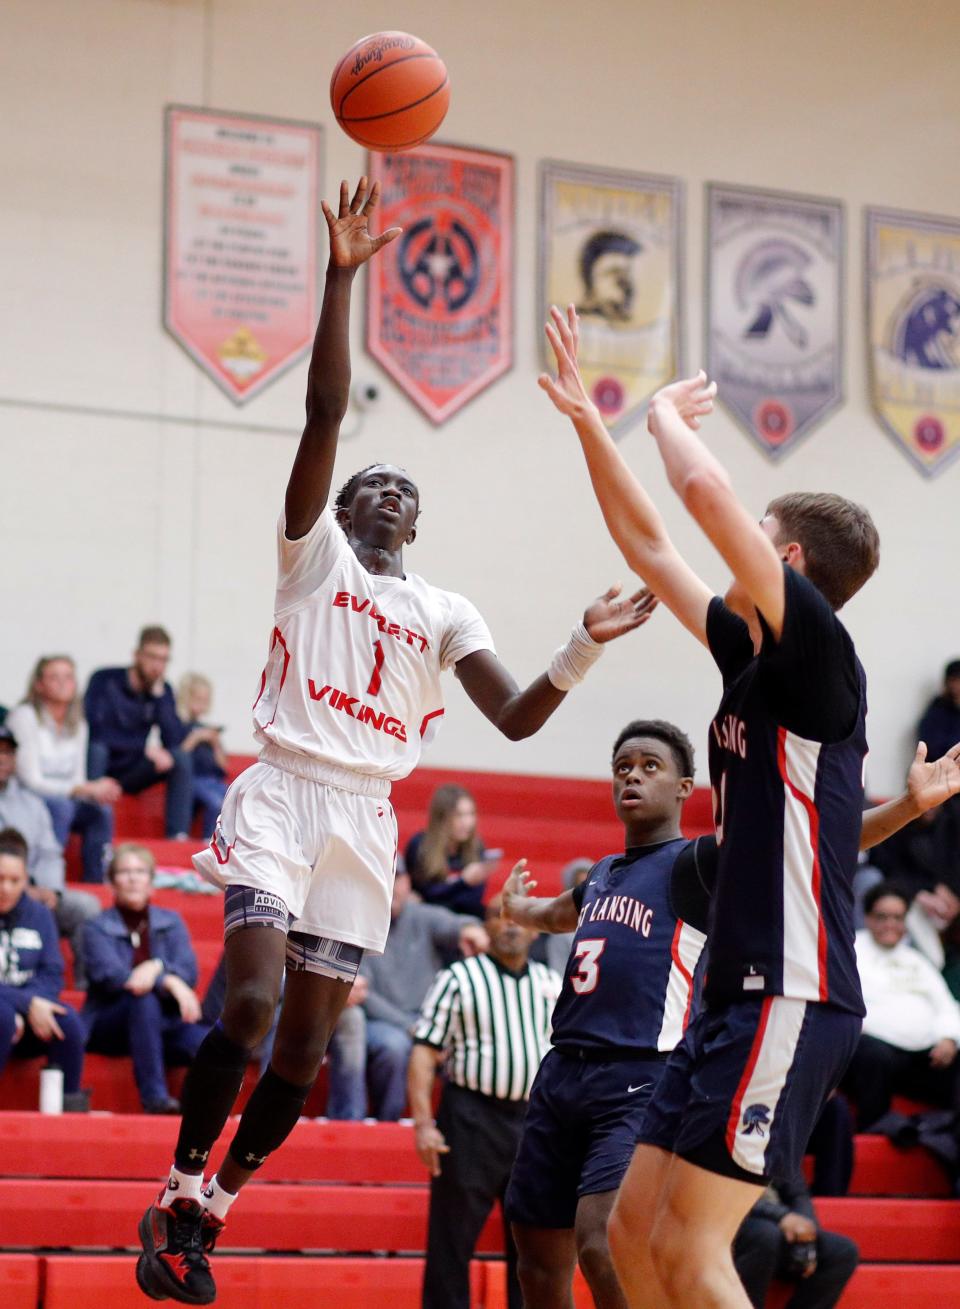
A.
pixel 579 1134
pixel 743 1090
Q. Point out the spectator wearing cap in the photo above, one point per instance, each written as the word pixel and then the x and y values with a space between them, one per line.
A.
pixel 33 1019
pixel 421 937
pixel 142 972
pixel 52 735
pixel 940 724
pixel 127 708
pixel 27 814
pixel 912 1027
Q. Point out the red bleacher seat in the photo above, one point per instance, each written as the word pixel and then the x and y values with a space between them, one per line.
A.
pixel 19 1281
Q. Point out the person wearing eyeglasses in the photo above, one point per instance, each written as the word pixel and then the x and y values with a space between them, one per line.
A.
pixel 911 1032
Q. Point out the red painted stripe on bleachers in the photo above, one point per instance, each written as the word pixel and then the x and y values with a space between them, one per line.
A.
pixel 19 1281
pixel 896 1230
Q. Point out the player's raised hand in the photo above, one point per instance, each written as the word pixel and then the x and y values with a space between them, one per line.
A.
pixel 516 889
pixel 689 399
pixel 610 617
pixel 566 390
pixel 350 241
pixel 929 784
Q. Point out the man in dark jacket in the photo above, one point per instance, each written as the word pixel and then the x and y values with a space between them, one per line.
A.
pixel 32 1020
pixel 940 724
pixel 780 1238
pixel 123 706
pixel 142 971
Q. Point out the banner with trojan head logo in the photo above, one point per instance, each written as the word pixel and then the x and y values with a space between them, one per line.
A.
pixel 913 332
pixel 439 298
pixel 610 243
pixel 774 319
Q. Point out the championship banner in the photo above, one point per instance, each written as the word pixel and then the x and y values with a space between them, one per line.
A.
pixel 610 244
pixel 913 330
pixel 440 297
pixel 774 317
pixel 240 244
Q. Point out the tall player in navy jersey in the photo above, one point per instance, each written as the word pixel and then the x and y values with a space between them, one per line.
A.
pixel 628 990
pixel 783 1007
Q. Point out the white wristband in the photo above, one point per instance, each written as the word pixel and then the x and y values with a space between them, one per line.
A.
pixel 571 663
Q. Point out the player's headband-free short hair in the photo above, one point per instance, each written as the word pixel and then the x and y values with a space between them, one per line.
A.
pixel 13 843
pixel 350 487
pixel 841 545
pixel 660 730
pixel 881 891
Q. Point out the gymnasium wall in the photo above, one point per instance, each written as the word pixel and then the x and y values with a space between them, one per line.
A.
pixel 131 490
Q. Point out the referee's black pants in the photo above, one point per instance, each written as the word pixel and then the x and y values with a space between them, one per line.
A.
pixel 483 1134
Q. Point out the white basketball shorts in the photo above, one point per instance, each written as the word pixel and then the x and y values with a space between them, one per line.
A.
pixel 329 853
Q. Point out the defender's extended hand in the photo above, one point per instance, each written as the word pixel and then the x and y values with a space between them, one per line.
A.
pixel 690 399
pixel 609 617
pixel 515 890
pixel 929 784
pixel 350 241
pixel 566 391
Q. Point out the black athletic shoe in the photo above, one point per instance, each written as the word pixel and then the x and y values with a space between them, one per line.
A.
pixel 173 1263
pixel 210 1228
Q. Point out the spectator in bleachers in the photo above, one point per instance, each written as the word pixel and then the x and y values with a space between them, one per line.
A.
pixel 27 813
pixel 781 1240
pixel 912 1028
pixel 940 724
pixel 142 972
pixel 421 936
pixel 489 1019
pixel 126 709
pixel 203 744
pixel 33 1019
pixel 52 761
pixel 447 860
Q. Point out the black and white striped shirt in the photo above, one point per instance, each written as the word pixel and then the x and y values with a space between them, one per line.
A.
pixel 494 1023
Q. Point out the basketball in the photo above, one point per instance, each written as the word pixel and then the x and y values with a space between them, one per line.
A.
pixel 390 91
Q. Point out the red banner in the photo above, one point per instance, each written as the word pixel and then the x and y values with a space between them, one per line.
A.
pixel 440 299
pixel 240 248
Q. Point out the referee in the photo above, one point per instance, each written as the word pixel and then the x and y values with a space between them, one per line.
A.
pixel 489 1017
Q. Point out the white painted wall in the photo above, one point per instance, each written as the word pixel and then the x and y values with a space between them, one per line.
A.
pixel 118 505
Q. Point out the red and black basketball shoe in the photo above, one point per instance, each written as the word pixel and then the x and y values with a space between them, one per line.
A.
pixel 173 1264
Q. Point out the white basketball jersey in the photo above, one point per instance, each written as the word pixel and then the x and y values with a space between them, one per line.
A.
pixel 353 674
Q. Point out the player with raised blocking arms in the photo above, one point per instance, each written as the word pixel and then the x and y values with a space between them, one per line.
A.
pixel 782 1013
pixel 306 842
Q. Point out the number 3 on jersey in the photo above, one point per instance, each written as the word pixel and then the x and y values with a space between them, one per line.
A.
pixel 587 954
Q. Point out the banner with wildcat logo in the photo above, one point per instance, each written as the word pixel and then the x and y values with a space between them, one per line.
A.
pixel 774 317
pixel 610 243
pixel 913 332
pixel 440 298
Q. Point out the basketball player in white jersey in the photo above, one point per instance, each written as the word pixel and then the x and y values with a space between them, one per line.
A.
pixel 306 842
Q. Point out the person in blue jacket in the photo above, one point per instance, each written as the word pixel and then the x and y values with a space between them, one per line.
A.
pixel 33 1021
pixel 142 971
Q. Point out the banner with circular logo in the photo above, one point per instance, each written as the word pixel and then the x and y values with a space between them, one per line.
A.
pixel 440 297
pixel 913 333
pixel 610 244
pixel 774 316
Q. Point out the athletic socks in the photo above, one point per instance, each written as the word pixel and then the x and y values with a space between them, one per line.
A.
pixel 216 1200
pixel 209 1092
pixel 269 1118
pixel 182 1186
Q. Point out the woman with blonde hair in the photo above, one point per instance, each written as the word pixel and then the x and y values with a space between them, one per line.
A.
pixel 447 861
pixel 194 698
pixel 52 740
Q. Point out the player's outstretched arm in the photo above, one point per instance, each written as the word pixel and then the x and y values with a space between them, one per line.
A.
pixel 703 485
pixel 328 381
pixel 631 516
pixel 928 786
pixel 539 913
pixel 518 714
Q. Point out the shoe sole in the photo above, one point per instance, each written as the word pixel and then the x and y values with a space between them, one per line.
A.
pixel 153 1271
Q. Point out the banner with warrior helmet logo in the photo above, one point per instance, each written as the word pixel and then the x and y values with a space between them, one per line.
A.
pixel 440 298
pixel 774 318
pixel 913 333
pixel 610 243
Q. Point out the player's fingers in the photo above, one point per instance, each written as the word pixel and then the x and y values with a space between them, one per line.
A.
pixel 356 204
pixel 563 327
pixel 612 592
pixel 574 322
pixel 386 237
pixel 695 424
pixel 371 201
pixel 327 213
pixel 344 198
pixel 921 753
pixel 561 348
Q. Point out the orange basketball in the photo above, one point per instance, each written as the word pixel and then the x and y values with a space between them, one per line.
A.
pixel 390 91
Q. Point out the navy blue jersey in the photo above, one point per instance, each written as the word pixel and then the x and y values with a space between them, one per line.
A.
pixel 787 748
pixel 630 979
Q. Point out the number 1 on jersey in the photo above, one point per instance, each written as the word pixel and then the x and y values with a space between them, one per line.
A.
pixel 588 953
pixel 378 661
